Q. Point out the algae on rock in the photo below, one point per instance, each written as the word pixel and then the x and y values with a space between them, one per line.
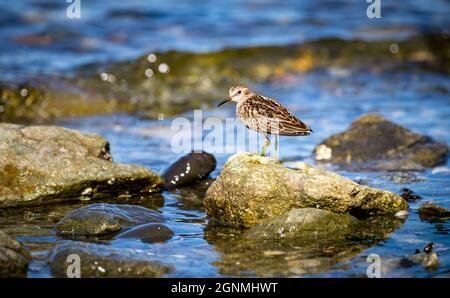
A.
pixel 251 188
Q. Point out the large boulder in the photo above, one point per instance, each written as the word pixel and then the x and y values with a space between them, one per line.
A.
pixel 102 218
pixel 104 261
pixel 373 143
pixel 48 164
pixel 251 188
pixel 14 258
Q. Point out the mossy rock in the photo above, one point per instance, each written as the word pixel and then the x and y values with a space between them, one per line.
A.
pixel 374 143
pixel 104 261
pixel 251 188
pixel 48 164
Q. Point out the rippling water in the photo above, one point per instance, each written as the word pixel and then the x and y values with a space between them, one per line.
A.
pixel 37 37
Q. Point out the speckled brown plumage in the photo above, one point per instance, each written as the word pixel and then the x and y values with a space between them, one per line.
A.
pixel 267 116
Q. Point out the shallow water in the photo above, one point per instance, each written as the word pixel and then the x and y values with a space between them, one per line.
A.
pixel 417 101
pixel 37 38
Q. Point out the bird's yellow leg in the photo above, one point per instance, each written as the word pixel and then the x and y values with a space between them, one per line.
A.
pixel 266 144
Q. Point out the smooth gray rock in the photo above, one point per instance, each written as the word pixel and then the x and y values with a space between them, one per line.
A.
pixel 104 261
pixel 48 164
pixel 373 143
pixel 251 188
pixel 148 233
pixel 102 218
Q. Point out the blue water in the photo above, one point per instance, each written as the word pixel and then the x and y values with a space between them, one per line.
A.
pixel 37 38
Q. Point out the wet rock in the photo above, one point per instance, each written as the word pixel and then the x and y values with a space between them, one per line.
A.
pixel 304 223
pixel 409 195
pixel 373 143
pixel 101 219
pixel 189 169
pixel 402 177
pixel 427 258
pixel 14 258
pixel 29 103
pixel 104 261
pixel 433 212
pixel 149 233
pixel 47 164
pixel 251 188
pixel 267 253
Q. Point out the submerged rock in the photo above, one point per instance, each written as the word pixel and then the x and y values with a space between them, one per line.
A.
pixel 426 258
pixel 409 195
pixel 104 261
pixel 308 249
pixel 14 258
pixel 251 188
pixel 305 223
pixel 189 169
pixel 149 233
pixel 402 177
pixel 373 143
pixel 433 212
pixel 48 164
pixel 101 219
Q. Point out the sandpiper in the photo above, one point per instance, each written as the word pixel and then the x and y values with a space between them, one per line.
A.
pixel 265 115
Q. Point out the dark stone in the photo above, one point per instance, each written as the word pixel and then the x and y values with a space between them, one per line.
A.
pixel 149 233
pixel 104 261
pixel 433 212
pixel 102 218
pixel 409 195
pixel 14 258
pixel 373 143
pixel 189 169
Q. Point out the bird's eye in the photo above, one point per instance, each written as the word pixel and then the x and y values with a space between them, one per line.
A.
pixel 239 92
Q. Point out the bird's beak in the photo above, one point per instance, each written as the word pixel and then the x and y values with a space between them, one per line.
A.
pixel 224 101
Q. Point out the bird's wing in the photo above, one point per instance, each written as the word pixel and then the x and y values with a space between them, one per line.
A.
pixel 273 118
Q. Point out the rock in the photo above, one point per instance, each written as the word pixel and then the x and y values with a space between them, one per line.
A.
pixel 149 233
pixel 104 261
pixel 189 169
pixel 427 258
pixel 263 252
pixel 48 164
pixel 373 143
pixel 304 223
pixel 409 195
pixel 102 218
pixel 14 258
pixel 402 177
pixel 433 212
pixel 251 188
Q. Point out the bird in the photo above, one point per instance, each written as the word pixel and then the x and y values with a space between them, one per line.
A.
pixel 265 115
